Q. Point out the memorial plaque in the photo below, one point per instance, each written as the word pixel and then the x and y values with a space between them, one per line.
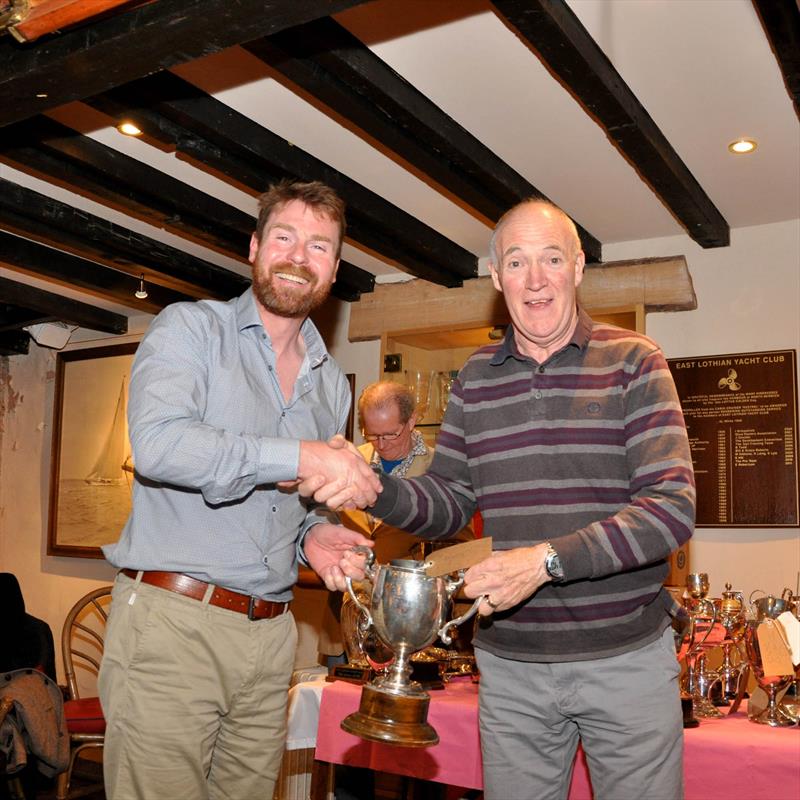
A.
pixel 741 416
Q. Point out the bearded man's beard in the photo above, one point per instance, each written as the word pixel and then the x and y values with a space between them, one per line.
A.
pixel 283 300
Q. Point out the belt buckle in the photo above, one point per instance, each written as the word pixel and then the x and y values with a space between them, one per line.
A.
pixel 251 608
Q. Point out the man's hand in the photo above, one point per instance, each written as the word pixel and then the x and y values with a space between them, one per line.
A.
pixel 507 577
pixel 329 551
pixel 336 473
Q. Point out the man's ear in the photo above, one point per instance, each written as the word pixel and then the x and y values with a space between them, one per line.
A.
pixel 254 242
pixel 580 263
pixel 495 273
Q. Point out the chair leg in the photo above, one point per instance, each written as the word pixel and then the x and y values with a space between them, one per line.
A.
pixel 62 783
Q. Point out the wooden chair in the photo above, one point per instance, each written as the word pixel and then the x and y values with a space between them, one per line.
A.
pixel 82 642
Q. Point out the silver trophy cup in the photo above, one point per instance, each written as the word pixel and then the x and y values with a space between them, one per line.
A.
pixel 408 609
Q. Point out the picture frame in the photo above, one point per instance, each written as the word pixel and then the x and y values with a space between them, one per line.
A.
pixel 91 475
pixel 350 429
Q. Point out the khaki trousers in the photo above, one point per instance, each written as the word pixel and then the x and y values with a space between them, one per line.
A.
pixel 194 698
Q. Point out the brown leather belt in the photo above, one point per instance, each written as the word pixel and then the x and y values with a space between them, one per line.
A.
pixel 254 607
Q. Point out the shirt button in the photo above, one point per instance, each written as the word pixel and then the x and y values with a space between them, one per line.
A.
pixel 265 560
pixel 274 509
pixel 537 394
pixel 541 369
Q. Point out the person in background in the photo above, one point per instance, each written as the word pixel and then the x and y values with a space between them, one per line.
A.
pixel 228 402
pixel 387 415
pixel 569 437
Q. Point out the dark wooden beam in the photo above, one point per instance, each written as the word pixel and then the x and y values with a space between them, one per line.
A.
pixel 333 66
pixel 13 318
pixel 781 22
pixel 551 28
pixel 69 270
pixel 14 343
pixel 215 135
pixel 152 37
pixel 52 222
pixel 61 308
pixel 47 148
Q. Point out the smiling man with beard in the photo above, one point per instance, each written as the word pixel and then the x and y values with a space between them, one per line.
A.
pixel 229 404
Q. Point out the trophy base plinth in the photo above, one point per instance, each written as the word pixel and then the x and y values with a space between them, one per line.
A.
pixel 392 719
pixel 774 717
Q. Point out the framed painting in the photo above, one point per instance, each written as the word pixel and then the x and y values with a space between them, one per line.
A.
pixel 91 471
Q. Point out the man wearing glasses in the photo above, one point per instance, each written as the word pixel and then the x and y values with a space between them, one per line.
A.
pixel 387 414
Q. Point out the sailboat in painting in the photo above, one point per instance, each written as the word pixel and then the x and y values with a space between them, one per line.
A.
pixel 109 468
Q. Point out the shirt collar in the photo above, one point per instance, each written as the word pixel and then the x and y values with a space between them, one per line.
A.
pixel 247 317
pixel 580 339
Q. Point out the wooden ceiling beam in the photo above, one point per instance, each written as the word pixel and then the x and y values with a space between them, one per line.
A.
pixel 553 30
pixel 656 284
pixel 151 37
pixel 215 135
pixel 33 258
pixel 781 22
pixel 56 306
pixel 50 149
pixel 336 68
pixel 54 223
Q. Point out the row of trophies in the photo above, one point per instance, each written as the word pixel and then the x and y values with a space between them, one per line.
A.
pixel 738 632
pixel 400 609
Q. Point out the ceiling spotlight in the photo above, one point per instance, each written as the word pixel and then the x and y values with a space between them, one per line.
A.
pixel 741 146
pixel 129 129
pixel 141 292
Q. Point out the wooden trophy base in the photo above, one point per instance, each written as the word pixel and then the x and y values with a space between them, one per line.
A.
pixel 390 718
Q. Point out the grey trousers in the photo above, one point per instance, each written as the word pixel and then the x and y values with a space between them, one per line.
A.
pixel 194 698
pixel 624 710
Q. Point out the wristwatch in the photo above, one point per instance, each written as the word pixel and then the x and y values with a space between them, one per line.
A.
pixel 552 565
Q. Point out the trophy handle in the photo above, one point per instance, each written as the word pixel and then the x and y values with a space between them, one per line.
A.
pixel 369 571
pixel 443 632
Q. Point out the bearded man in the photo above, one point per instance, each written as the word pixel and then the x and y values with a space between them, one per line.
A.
pixel 228 403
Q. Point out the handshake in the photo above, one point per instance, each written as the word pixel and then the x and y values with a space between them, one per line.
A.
pixel 335 473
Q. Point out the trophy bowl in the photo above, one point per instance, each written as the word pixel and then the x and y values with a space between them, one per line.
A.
pixel 407 609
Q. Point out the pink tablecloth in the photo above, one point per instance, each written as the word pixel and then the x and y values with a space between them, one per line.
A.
pixel 725 759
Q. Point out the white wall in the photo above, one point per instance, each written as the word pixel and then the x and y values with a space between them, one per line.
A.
pixel 748 299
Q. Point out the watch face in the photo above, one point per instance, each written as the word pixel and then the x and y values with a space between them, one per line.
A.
pixel 553 566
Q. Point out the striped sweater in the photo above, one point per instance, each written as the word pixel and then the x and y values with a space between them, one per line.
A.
pixel 588 451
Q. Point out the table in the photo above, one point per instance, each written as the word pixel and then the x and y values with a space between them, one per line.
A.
pixel 724 759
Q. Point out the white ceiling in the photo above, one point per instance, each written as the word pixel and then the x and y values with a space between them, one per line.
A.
pixel 703 69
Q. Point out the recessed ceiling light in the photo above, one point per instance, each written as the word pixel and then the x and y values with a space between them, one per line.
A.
pixel 129 129
pixel 41 95
pixel 741 146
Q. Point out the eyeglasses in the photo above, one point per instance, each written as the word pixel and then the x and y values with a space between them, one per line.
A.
pixel 384 437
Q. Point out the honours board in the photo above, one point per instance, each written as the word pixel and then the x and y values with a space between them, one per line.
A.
pixel 741 416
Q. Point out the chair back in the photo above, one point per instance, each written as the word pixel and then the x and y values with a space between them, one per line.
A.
pixel 83 635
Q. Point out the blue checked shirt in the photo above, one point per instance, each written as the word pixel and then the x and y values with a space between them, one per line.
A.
pixel 211 435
